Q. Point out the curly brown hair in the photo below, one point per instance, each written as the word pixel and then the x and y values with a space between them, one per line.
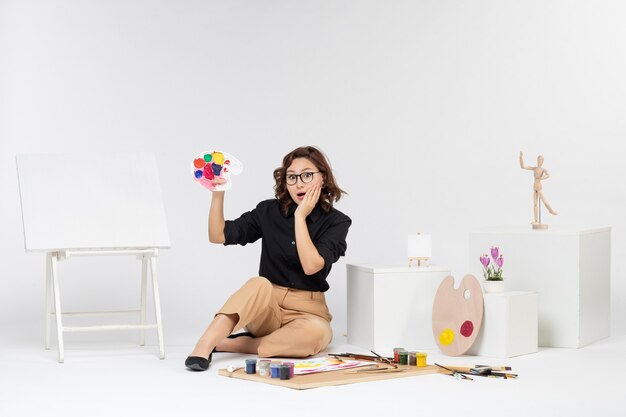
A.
pixel 330 191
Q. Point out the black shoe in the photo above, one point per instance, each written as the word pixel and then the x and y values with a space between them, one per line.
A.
pixel 197 363
pixel 236 335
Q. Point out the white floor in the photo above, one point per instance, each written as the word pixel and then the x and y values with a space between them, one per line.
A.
pixel 119 380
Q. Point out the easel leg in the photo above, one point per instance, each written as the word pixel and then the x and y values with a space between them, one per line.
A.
pixel 144 284
pixel 48 297
pixel 157 305
pixel 57 305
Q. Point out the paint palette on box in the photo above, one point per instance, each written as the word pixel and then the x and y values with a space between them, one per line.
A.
pixel 457 314
pixel 209 166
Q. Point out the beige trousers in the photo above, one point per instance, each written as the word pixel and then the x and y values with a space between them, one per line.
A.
pixel 290 322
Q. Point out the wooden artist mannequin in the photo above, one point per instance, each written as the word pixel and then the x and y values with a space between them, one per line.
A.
pixel 540 173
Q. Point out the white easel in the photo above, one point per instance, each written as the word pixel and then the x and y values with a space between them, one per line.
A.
pixel 103 205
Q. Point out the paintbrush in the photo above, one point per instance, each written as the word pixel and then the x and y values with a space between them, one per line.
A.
pixel 385 360
pixel 369 358
pixel 495 368
pixel 463 369
pixel 479 369
pixel 454 373
pixel 483 370
pixel 504 375
pixel 366 356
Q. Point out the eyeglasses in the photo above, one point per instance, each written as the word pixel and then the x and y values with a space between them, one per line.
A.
pixel 305 177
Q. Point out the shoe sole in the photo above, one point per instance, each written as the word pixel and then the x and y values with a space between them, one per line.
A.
pixel 196 367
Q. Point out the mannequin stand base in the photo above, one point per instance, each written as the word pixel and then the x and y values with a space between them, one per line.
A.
pixel 419 261
pixel 539 226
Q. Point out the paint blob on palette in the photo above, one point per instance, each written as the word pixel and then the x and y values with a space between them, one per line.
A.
pixel 457 314
pixel 209 166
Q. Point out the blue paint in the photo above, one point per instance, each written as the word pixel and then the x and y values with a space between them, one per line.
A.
pixel 217 169
pixel 198 173
pixel 251 366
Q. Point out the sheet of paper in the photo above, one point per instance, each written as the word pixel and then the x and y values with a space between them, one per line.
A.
pixel 310 366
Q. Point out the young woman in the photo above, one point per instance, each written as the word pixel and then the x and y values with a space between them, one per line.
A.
pixel 283 309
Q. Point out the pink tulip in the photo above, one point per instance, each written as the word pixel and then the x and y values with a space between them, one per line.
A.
pixel 484 260
pixel 500 261
pixel 494 252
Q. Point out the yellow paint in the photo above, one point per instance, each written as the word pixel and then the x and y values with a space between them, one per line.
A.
pixel 420 359
pixel 218 158
pixel 446 337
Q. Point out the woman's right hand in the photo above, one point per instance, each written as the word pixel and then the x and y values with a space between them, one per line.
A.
pixel 217 182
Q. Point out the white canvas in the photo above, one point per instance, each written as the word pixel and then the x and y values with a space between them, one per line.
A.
pixel 82 200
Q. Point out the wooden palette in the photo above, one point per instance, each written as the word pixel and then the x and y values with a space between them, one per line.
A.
pixel 325 379
pixel 457 314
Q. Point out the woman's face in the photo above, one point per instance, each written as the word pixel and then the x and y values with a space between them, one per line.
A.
pixel 302 170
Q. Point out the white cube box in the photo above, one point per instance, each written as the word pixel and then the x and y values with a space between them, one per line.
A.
pixel 570 271
pixel 392 306
pixel 509 325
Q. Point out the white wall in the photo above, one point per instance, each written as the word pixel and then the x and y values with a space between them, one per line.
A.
pixel 422 107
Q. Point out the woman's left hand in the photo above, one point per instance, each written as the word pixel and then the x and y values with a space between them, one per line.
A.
pixel 309 201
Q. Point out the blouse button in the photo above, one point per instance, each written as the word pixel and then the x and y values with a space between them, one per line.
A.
pixel 293 242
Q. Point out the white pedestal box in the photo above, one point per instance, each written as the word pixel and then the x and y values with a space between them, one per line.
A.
pixel 570 271
pixel 392 306
pixel 509 325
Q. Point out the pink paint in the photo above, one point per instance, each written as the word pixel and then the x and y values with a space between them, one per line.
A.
pixel 208 172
